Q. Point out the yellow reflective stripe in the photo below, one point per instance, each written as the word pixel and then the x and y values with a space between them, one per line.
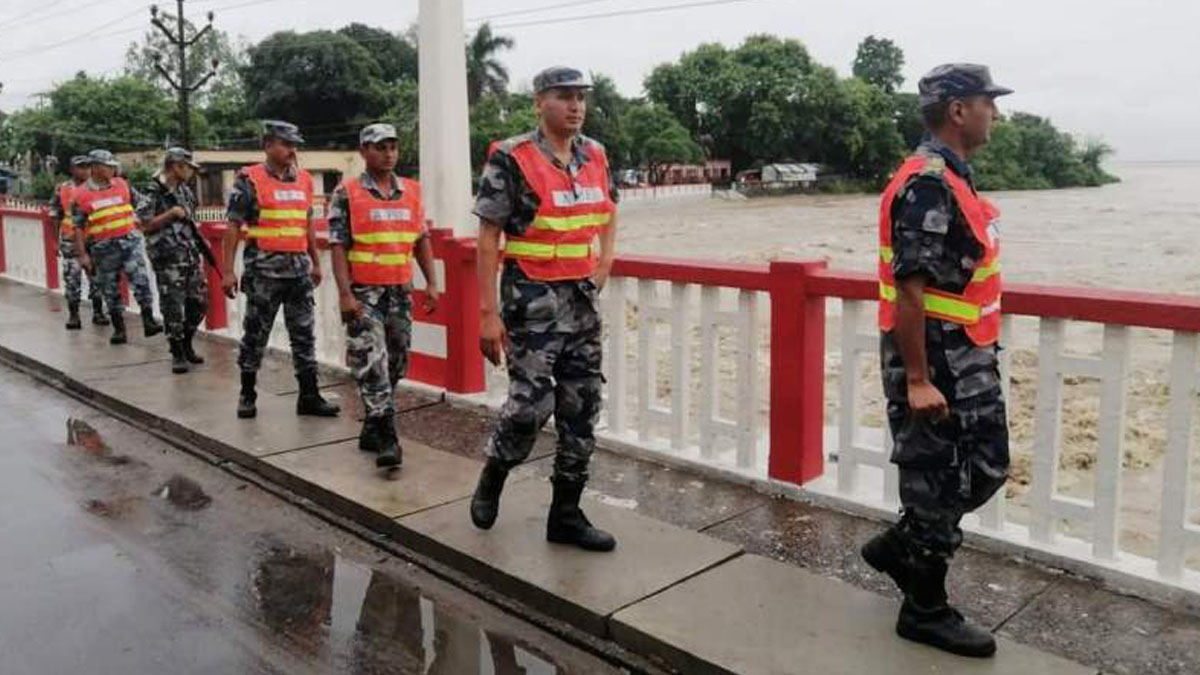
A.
pixel 387 237
pixel 571 223
pixel 114 225
pixel 987 271
pixel 110 211
pixel 957 310
pixel 886 254
pixel 530 249
pixel 271 232
pixel 391 259
pixel 283 214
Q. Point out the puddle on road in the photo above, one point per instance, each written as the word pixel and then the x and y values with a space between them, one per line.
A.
pixel 184 493
pixel 368 620
pixel 83 436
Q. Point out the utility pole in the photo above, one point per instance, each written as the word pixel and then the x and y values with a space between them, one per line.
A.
pixel 445 129
pixel 182 86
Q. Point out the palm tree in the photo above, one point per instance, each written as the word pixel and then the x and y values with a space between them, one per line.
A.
pixel 485 73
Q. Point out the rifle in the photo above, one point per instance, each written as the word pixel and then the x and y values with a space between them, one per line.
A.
pixel 203 245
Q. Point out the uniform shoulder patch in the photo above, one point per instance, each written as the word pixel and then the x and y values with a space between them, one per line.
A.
pixel 935 165
pixel 509 144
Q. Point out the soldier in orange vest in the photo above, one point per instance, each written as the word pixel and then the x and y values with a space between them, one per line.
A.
pixel 939 315
pixel 271 203
pixel 376 229
pixel 61 209
pixel 550 194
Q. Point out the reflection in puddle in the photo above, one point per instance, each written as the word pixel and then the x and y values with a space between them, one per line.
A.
pixel 367 620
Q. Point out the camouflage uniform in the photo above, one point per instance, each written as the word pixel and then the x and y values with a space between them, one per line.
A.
pixel 113 256
pixel 72 271
pixel 951 467
pixel 175 255
pixel 270 279
pixel 554 350
pixel 378 341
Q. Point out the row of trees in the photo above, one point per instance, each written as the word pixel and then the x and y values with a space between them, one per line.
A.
pixel 764 101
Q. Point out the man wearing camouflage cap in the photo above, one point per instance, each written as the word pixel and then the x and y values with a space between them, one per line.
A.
pixel 167 211
pixel 376 228
pixel 61 212
pixel 549 192
pixel 272 203
pixel 108 243
pixel 939 315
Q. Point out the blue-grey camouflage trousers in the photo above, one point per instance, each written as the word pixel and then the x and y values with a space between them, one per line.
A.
pixel 182 293
pixel 377 345
pixel 124 254
pixel 264 296
pixel 73 282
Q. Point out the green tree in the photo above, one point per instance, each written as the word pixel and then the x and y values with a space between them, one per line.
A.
pixel 140 59
pixel 495 118
pixel 485 73
pixel 605 121
pixel 325 82
pixel 395 56
pixel 1027 152
pixel 908 118
pixel 657 139
pixel 880 62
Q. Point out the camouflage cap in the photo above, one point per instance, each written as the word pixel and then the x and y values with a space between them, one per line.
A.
pixel 377 133
pixel 103 157
pixel 178 154
pixel 957 81
pixel 80 160
pixel 282 130
pixel 560 76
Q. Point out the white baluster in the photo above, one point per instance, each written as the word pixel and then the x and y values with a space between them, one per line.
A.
pixel 710 299
pixel 1173 533
pixel 1106 513
pixel 1047 430
pixel 681 365
pixel 647 329
pixel 748 380
pixel 847 458
pixel 614 364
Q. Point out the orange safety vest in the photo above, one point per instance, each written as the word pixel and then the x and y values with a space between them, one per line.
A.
pixel 66 198
pixel 558 243
pixel 109 211
pixel 385 233
pixel 977 308
pixel 282 210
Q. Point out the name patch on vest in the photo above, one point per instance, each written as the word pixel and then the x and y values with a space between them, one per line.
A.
pixel 290 196
pixel 584 195
pixel 383 215
pixel 107 202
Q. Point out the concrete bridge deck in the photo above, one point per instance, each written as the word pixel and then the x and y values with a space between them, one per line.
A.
pixel 709 577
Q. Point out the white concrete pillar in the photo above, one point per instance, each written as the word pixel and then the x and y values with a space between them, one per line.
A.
pixel 445 134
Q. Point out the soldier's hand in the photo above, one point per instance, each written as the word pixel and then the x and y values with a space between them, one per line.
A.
pixel 85 262
pixel 432 296
pixel 229 284
pixel 350 307
pixel 315 275
pixel 492 337
pixel 178 212
pixel 925 400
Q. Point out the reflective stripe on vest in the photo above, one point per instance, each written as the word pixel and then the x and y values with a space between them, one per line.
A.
pixel 977 308
pixel 283 208
pixel 109 211
pixel 384 233
pixel 572 209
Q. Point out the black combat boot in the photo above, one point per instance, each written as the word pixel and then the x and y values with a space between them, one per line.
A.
pixel 248 398
pixel 310 401
pixel 886 553
pixel 568 525
pixel 118 324
pixel 99 318
pixel 391 455
pixel 150 325
pixel 927 617
pixel 179 364
pixel 485 505
pixel 73 321
pixel 189 352
pixel 370 439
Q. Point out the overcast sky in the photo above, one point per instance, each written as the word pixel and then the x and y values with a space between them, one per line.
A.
pixel 1125 70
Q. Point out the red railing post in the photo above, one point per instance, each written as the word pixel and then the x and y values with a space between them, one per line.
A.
pixel 50 246
pixel 3 253
pixel 464 373
pixel 218 313
pixel 797 373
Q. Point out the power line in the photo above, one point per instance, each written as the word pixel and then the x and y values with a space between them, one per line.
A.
pixel 534 10
pixel 625 12
pixel 61 12
pixel 21 53
pixel 35 10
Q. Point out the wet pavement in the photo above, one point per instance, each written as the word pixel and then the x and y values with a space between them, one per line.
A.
pixel 127 556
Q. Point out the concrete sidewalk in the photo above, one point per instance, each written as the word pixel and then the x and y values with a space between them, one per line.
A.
pixel 681 588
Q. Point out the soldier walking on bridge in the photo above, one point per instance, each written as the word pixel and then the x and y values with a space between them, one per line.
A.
pixel 376 228
pixel 550 193
pixel 108 243
pixel 272 202
pixel 167 211
pixel 62 212
pixel 939 314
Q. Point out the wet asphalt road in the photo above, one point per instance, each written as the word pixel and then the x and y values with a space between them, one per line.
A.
pixel 124 556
